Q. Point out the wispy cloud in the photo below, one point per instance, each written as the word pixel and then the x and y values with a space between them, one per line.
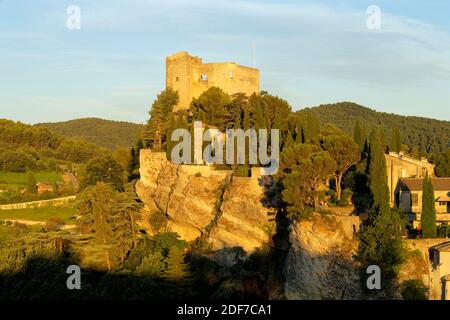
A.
pixel 309 52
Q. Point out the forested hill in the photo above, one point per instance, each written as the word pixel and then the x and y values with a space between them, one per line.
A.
pixel 24 147
pixel 105 133
pixel 428 135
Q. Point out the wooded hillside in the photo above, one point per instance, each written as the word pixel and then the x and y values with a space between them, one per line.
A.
pixel 104 133
pixel 429 135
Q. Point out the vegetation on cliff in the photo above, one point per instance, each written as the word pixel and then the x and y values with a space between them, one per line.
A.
pixel 321 165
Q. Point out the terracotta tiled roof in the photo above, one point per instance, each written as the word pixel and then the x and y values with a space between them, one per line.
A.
pixel 415 184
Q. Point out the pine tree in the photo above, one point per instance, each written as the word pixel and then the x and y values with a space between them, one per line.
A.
pixel 152 265
pixel 305 167
pixel 345 152
pixel 154 133
pixel 97 207
pixel 177 269
pixel 428 217
pixel 126 212
pixel 212 107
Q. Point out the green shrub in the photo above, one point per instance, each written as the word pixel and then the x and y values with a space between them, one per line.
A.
pixel 158 220
pixel 242 171
pixel 414 290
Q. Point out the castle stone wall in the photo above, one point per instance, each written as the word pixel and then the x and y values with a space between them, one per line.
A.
pixel 191 77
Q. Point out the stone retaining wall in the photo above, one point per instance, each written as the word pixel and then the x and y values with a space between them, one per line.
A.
pixel 38 204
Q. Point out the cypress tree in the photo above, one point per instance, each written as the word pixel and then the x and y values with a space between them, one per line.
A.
pixel 31 183
pixel 396 140
pixel 259 117
pixel 310 127
pixel 378 176
pixel 133 167
pixel 381 243
pixel 428 217
pixel 289 141
pixel 359 135
pixel 171 126
pixel 132 164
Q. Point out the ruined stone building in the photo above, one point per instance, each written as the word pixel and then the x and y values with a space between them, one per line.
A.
pixel 191 77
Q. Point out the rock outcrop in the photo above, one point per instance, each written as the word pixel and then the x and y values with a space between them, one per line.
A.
pixel 244 221
pixel 320 262
pixel 199 201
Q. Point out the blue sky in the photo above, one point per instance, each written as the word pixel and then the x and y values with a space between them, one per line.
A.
pixel 308 52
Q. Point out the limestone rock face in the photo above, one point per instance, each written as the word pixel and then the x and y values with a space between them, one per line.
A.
pixel 199 201
pixel 244 222
pixel 319 264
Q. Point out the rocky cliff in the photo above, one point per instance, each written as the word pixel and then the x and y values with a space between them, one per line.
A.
pixel 320 263
pixel 200 201
pixel 228 211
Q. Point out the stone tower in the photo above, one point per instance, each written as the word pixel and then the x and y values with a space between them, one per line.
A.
pixel 191 77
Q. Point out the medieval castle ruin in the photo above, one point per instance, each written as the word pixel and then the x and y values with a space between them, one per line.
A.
pixel 191 77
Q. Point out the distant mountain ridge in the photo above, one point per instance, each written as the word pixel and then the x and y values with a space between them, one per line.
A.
pixel 429 135
pixel 105 133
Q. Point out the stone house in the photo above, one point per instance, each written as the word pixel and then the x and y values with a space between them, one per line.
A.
pixel 440 271
pixel 43 187
pixel 399 166
pixel 410 198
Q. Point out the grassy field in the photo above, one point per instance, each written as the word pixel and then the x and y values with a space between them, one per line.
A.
pixel 19 179
pixel 67 214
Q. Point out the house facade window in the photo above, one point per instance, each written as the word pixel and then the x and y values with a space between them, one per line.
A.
pixel 414 199
pixel 204 77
